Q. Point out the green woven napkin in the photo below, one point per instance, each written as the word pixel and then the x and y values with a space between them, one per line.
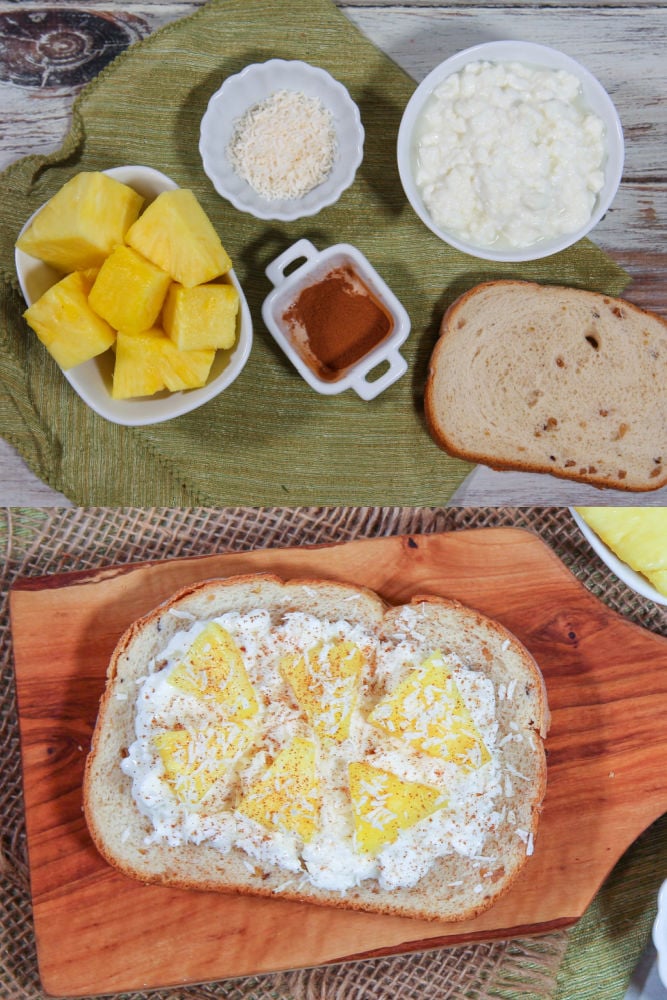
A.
pixel 606 943
pixel 269 438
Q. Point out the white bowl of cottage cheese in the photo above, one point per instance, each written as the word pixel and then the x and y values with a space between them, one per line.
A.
pixel 510 151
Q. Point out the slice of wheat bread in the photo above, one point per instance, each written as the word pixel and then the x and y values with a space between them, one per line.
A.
pixel 551 379
pixel 456 887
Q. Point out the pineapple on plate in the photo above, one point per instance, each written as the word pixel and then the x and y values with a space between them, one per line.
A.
pixel 325 681
pixel 176 234
pixel 200 317
pixel 637 535
pixel 82 223
pixel 287 796
pixel 194 759
pixel 383 805
pixel 427 711
pixel 129 291
pixel 65 323
pixel 149 362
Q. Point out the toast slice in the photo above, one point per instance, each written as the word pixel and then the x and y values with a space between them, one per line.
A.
pixel 434 866
pixel 542 378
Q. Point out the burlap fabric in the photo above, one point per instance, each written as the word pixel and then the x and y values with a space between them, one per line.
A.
pixel 268 439
pixel 594 959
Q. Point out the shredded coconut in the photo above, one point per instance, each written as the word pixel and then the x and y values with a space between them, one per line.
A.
pixel 284 146
pixel 186 615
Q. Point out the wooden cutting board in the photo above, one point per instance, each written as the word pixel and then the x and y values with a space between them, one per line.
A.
pixel 98 931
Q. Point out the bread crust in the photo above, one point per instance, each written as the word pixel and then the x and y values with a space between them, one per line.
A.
pixel 118 828
pixel 483 442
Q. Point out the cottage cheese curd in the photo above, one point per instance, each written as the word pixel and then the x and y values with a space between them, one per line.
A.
pixel 507 155
pixel 284 146
pixel 330 859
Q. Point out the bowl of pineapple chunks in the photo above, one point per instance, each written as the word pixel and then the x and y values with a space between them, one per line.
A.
pixel 131 291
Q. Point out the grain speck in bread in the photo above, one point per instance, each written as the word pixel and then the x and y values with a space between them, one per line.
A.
pixel 543 378
pixel 461 858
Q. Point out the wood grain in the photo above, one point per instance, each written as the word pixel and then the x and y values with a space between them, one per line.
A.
pixel 607 686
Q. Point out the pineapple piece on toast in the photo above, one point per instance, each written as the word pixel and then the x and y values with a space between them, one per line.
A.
pixel 325 682
pixel 427 711
pixel 384 804
pixel 213 668
pixel 287 796
pixel 211 671
pixel 194 759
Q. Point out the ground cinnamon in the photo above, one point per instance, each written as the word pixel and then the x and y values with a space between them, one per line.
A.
pixel 336 321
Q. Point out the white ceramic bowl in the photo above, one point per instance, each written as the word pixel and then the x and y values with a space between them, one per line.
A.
pixel 314 264
pixel 254 84
pixel 630 578
pixel 92 379
pixel 596 99
pixel 659 933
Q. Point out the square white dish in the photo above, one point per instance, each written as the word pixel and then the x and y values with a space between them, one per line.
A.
pixel 314 265
pixel 92 379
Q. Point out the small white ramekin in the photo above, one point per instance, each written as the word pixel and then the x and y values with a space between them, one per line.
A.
pixel 314 265
pixel 255 84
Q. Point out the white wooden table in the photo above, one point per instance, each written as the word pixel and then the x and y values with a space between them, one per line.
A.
pixel 623 44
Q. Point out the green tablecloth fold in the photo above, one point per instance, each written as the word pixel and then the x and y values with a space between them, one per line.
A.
pixel 269 438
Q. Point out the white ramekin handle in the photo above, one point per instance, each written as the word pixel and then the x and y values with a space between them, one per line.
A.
pixel 275 272
pixel 369 390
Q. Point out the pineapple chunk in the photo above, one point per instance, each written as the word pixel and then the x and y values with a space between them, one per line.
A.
pixel 427 711
pixel 637 535
pixel 148 362
pixel 287 797
pixel 129 291
pixel 185 369
pixel 138 366
pixel 325 682
pixel 213 668
pixel 176 234
pixel 194 759
pixel 65 323
pixel 82 223
pixel 384 804
pixel 200 317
